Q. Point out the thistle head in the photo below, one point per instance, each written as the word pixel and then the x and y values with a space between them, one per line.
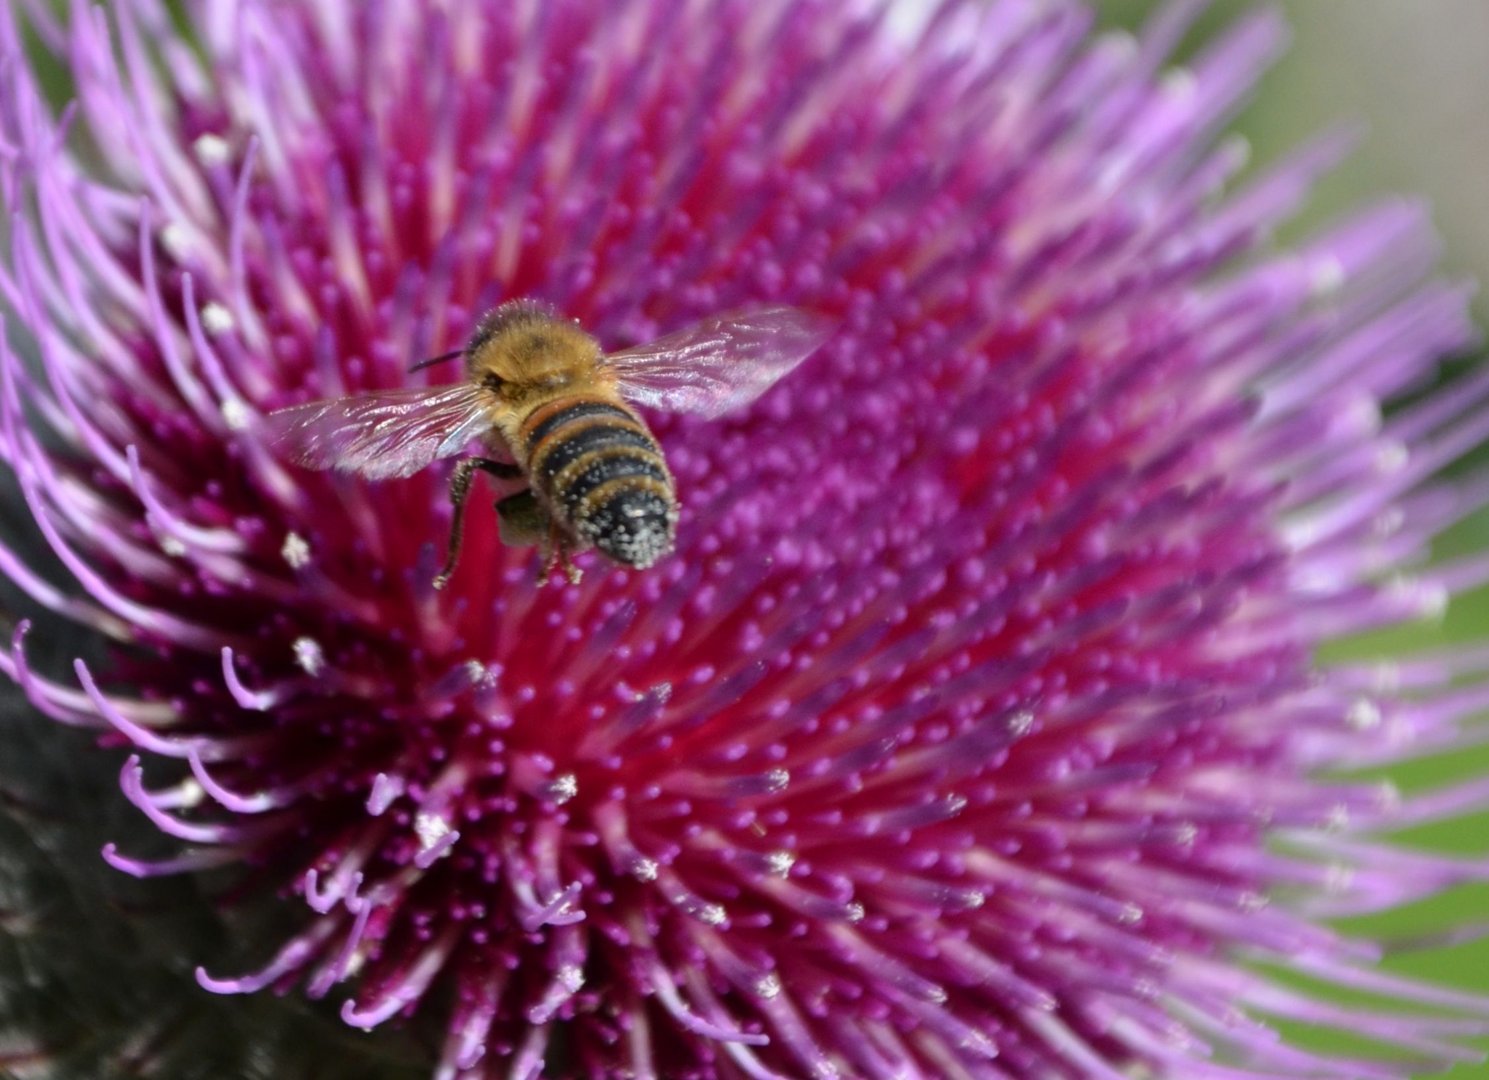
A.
pixel 973 729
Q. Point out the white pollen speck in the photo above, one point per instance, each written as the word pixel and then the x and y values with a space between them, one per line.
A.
pixel 1131 913
pixel 211 149
pixel 1187 834
pixel 1434 601
pixel 571 978
pixel 855 912
pixel 563 789
pixel 780 862
pixel 644 870
pixel 235 414
pixel 309 656
pixel 936 995
pixel 1020 723
pixel 480 674
pixel 431 829
pixel 955 804
pixel 296 551
pixel 1326 277
pixel 713 914
pixel 778 779
pixel 1391 458
pixel 1363 414
pixel 1388 522
pixel 1252 901
pixel 1428 599
pixel 1386 678
pixel 191 792
pixel 176 240
pixel 217 319
pixel 1362 714
pixel 1239 147
pixel 768 986
pixel 171 546
pixel 980 1043
pixel 1178 83
pixel 1121 43
pixel 1339 878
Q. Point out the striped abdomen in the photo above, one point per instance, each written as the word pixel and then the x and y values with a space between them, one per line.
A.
pixel 601 474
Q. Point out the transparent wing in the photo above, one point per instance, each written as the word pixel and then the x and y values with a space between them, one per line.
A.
pixel 384 433
pixel 720 364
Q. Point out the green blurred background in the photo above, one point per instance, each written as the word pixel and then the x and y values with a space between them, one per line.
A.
pixel 1416 74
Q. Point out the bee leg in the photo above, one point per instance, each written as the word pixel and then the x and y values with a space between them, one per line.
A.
pixel 558 556
pixel 524 523
pixel 460 481
pixel 521 519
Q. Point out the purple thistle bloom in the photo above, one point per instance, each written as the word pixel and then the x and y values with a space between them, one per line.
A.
pixel 974 728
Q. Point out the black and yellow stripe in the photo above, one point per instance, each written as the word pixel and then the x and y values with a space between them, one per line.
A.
pixel 600 471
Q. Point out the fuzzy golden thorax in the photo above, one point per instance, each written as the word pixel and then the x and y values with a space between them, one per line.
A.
pixel 526 356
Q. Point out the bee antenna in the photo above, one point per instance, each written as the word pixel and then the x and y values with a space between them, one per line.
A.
pixel 440 359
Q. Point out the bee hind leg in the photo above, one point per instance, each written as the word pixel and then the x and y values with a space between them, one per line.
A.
pixel 524 523
pixel 521 520
pixel 460 481
pixel 558 556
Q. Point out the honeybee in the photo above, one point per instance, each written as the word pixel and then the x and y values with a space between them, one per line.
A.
pixel 552 410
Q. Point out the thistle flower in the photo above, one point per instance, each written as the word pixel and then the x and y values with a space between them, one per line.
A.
pixel 974 729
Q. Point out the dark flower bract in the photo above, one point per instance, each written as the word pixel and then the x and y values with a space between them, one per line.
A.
pixel 975 727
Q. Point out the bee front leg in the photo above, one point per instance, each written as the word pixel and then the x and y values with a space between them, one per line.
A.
pixel 460 481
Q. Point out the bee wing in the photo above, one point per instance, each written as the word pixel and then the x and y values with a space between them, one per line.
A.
pixel 720 364
pixel 384 433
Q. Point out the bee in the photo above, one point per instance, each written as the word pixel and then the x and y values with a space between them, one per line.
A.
pixel 554 411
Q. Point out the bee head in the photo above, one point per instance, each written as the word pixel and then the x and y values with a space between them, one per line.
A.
pixel 504 319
